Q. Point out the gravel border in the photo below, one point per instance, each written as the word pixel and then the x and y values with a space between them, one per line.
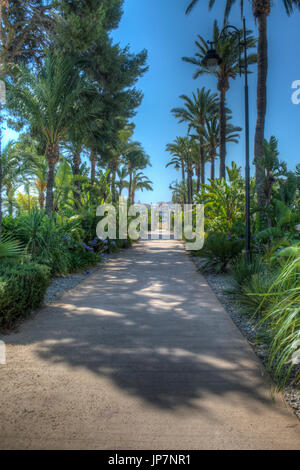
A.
pixel 59 285
pixel 247 326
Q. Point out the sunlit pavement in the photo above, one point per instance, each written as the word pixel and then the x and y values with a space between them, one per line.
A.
pixel 139 356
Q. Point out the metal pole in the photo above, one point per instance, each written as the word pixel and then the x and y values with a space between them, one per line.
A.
pixel 247 169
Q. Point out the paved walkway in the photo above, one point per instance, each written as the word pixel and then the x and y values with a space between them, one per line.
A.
pixel 140 356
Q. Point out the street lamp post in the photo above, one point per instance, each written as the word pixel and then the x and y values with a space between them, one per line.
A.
pixel 212 60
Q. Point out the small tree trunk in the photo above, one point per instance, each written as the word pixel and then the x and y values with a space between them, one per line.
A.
pixel 190 186
pixel 77 183
pixel 212 167
pixel 198 173
pixel 129 187
pixel 41 199
pixel 183 181
pixel 222 111
pixel 52 156
pixel 93 159
pixel 262 63
pixel 202 164
pixel 113 185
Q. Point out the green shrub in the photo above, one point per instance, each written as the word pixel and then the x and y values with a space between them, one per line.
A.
pixel 22 288
pixel 10 249
pixel 282 322
pixel 242 269
pixel 81 257
pixel 256 293
pixel 220 250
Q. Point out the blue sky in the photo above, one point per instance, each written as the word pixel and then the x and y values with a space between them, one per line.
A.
pixel 162 27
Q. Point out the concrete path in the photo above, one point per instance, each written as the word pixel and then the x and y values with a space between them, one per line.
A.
pixel 140 356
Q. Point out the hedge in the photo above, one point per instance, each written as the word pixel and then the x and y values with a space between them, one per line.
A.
pixel 22 288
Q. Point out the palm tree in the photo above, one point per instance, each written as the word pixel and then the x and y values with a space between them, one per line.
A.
pixel 228 50
pixel 134 158
pixel 12 172
pixel 39 169
pixel 261 11
pixel 48 100
pixel 212 140
pixel 178 160
pixel 185 151
pixel 139 182
pixel 63 195
pixel 178 192
pixel 74 149
pixel 203 105
pixel 272 168
pixel 34 164
pixel 122 174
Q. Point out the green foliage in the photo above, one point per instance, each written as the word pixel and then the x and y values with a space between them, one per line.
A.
pixel 22 288
pixel 220 250
pixel 254 295
pixel 224 202
pixel 242 269
pixel 272 293
pixel 282 321
pixel 290 252
pixel 56 242
pixel 10 249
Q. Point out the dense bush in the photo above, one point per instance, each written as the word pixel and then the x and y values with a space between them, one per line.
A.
pixel 42 248
pixel 220 250
pixel 22 288
pixel 271 292
pixel 242 270
pixel 57 242
pixel 282 322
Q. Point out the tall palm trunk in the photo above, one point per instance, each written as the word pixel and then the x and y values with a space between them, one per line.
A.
pixel 198 173
pixel 261 11
pixel 77 183
pixel 202 163
pixel 113 184
pixel 190 186
pixel 212 167
pixel 130 186
pixel 41 200
pixel 52 156
pixel 40 186
pixel 222 111
pixel 183 180
pixel 93 159
pixel 10 208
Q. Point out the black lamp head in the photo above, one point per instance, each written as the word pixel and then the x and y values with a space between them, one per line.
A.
pixel 212 59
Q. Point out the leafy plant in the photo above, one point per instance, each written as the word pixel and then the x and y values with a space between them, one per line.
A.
pixel 10 248
pixel 220 250
pixel 242 269
pixel 282 321
pixel 22 288
pixel 224 202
